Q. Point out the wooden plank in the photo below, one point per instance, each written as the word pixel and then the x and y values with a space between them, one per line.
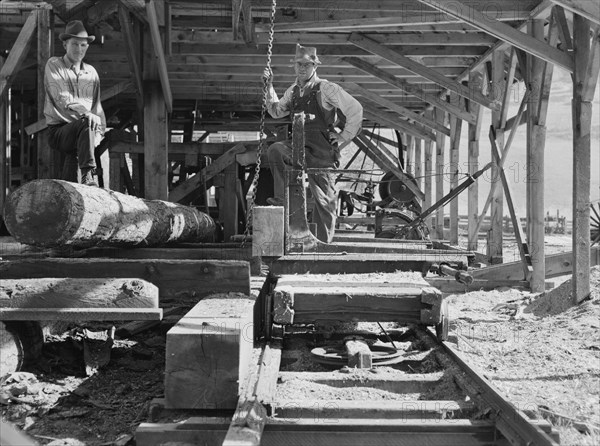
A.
pixel 419 163
pixel 175 279
pixel 387 280
pixel 429 172
pixel 351 432
pixel 159 54
pixel 410 89
pixel 78 293
pixel 210 377
pixel 405 410
pixel 322 263
pixel 373 46
pixel 182 191
pixel 449 285
pixel 5 146
pixel 80 314
pixel 358 90
pixel 389 120
pixel 584 8
pixel 185 148
pixel 505 32
pixel 18 53
pixel 456 127
pixel 228 202
pixel 267 231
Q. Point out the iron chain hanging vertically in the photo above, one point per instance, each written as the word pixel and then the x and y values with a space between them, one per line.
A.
pixel 261 144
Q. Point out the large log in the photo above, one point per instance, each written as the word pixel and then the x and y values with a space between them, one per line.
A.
pixel 54 213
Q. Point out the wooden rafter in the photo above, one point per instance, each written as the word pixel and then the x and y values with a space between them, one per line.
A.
pixel 18 53
pixel 409 88
pixel 420 119
pixel 378 49
pixel 504 32
pixel 563 28
pixel 590 9
pixel 160 54
pixel 390 120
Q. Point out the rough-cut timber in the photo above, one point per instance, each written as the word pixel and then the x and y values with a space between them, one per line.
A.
pixel 78 293
pixel 208 353
pixel 55 212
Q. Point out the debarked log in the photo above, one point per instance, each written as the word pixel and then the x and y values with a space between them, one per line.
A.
pixel 78 293
pixel 51 213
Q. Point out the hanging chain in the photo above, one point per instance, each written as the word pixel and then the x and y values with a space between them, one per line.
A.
pixel 261 143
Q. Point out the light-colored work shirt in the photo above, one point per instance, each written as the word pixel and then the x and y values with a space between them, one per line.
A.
pixel 69 95
pixel 332 96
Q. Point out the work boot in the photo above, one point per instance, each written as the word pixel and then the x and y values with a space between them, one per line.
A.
pixel 274 201
pixel 88 178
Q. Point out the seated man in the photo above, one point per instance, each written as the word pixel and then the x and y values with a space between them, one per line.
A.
pixel 73 110
pixel 319 100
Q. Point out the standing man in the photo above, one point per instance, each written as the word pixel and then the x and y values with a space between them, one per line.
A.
pixel 74 114
pixel 320 100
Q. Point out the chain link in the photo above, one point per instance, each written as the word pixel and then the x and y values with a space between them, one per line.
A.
pixel 261 143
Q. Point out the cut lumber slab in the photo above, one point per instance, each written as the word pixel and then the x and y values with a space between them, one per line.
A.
pixel 78 293
pixel 56 213
pixel 324 263
pixel 556 265
pixel 395 279
pixel 267 231
pixel 174 278
pixel 209 352
pixel 450 285
pixel 80 314
pixel 319 432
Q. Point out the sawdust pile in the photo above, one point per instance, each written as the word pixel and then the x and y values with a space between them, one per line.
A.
pixel 560 299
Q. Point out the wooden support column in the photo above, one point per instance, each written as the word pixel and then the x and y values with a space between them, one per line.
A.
pixel 585 77
pixel 475 82
pixel 454 168
pixel 539 82
pixel 419 162
pixel 409 164
pixel 5 149
pixel 440 140
pixel 429 172
pixel 228 203
pixel 49 161
pixel 495 239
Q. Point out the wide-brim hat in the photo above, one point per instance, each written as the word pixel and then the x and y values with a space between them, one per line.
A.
pixel 306 54
pixel 75 28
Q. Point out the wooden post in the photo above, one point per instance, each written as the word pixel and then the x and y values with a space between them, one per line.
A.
pixel 455 129
pixel 539 80
pixel 156 137
pixel 228 204
pixel 5 150
pixel 585 76
pixel 429 171
pixel 495 239
pixel 409 165
pixel 440 117
pixel 475 82
pixel 419 162
pixel 49 161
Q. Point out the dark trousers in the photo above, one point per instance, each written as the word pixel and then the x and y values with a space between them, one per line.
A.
pixel 73 139
pixel 322 186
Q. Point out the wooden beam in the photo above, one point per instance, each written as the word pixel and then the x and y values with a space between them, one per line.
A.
pixel 440 117
pixel 18 53
pixel 378 49
pixel 80 314
pixel 159 54
pixel 504 32
pixel 584 81
pixel 186 188
pixel 456 127
pixel 419 163
pixel 386 119
pixel 563 28
pixel 589 9
pixel 420 119
pixel 156 137
pixel 48 159
pixel 136 7
pixel 132 52
pixel 5 145
pixel 408 88
pixel 429 173
pixel 475 81
pixel 516 221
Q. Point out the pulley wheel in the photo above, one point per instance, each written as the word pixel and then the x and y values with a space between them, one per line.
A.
pixel 336 356
pixel 391 186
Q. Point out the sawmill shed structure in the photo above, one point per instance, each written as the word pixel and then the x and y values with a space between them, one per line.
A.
pixel 175 71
